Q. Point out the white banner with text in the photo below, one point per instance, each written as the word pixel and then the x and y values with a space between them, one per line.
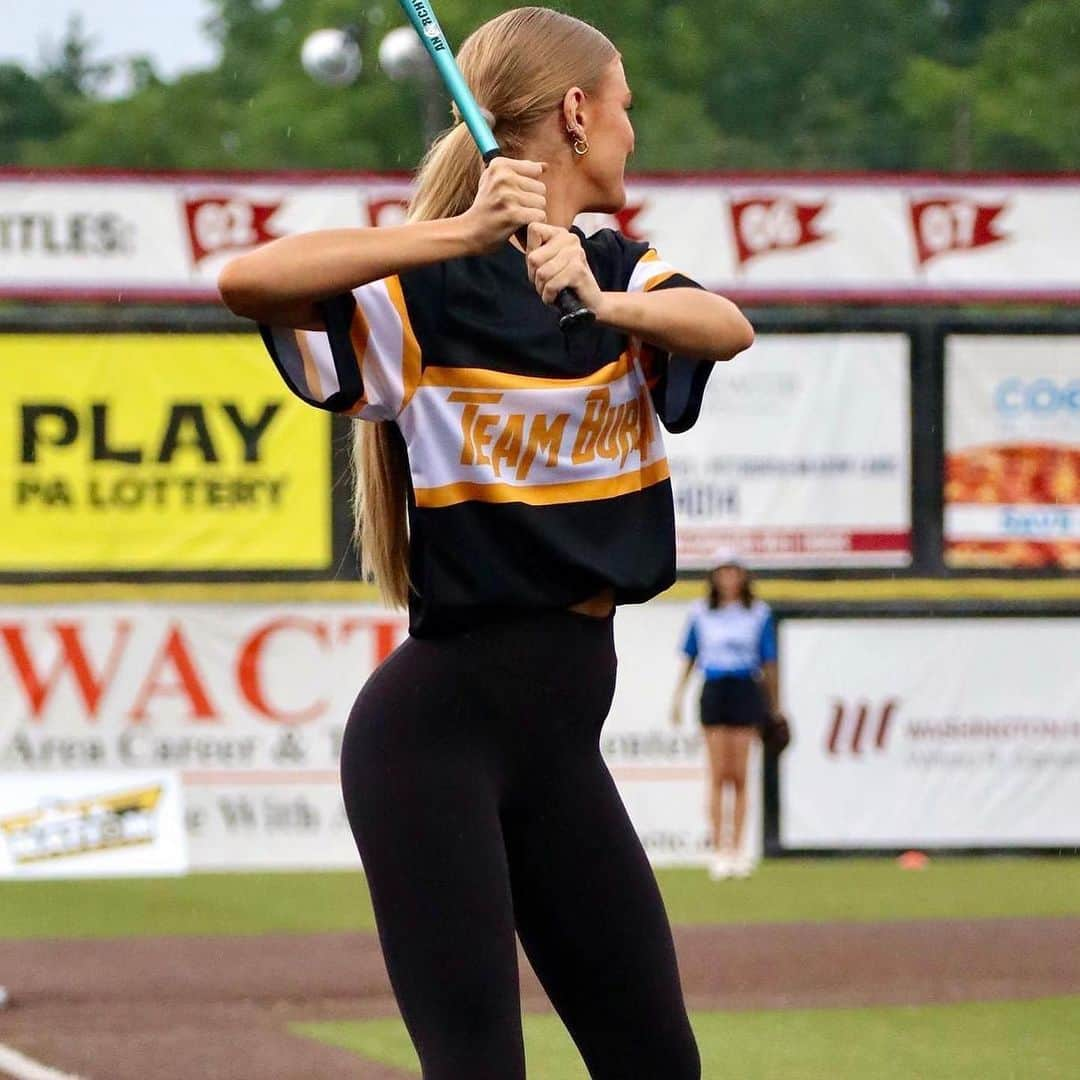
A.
pixel 772 238
pixel 950 732
pixel 801 456
pixel 247 704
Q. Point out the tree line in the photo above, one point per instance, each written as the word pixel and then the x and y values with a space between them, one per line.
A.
pixel 951 85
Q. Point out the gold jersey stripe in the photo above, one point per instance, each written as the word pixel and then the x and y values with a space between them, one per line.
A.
pixel 544 494
pixel 471 378
pixel 358 337
pixel 655 282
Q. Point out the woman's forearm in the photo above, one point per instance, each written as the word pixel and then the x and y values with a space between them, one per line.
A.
pixel 770 682
pixel 684 678
pixel 686 322
pixel 280 282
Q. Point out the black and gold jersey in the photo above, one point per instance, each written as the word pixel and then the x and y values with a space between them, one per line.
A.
pixel 537 464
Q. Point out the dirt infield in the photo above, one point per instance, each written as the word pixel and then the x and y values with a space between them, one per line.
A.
pixel 176 1008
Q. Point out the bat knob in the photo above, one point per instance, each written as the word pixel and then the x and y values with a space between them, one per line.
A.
pixel 573 314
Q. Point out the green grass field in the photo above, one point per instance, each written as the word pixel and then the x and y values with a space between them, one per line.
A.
pixel 861 890
pixel 977 1041
pixel 1027 1040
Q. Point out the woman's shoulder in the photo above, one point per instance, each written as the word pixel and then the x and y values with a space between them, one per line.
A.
pixel 614 244
pixel 612 255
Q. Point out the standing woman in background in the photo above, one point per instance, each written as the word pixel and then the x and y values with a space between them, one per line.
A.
pixel 731 639
pixel 513 488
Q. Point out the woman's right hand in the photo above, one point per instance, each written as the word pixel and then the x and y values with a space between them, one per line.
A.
pixel 511 194
pixel 676 713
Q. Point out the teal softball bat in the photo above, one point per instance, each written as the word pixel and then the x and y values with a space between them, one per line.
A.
pixel 572 312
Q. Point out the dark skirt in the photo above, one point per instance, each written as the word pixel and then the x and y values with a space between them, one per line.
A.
pixel 733 701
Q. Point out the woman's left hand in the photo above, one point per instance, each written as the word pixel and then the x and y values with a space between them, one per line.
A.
pixel 556 261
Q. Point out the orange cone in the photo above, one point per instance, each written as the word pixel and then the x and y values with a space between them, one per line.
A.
pixel 913 860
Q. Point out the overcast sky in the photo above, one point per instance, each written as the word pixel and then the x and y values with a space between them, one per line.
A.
pixel 167 31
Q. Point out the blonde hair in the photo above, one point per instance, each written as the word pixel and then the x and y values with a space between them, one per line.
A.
pixel 518 66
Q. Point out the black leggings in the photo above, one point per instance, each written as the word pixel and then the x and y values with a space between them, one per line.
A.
pixel 480 804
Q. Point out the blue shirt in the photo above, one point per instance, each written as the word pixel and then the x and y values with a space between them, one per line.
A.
pixel 730 640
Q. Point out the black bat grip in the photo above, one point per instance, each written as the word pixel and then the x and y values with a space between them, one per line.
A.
pixel 573 314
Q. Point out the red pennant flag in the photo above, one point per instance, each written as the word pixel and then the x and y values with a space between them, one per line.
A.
pixel 624 220
pixel 227 223
pixel 774 224
pixel 952 224
pixel 396 208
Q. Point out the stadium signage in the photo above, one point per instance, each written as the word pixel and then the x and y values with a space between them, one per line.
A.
pixel 946 225
pixel 97 824
pixel 1012 451
pixel 248 704
pixel 774 224
pixel 165 452
pixel 129 669
pixel 947 732
pixel 767 470
pixel 228 223
pixel 69 828
pixel 66 235
pixel 758 238
pixel 855 727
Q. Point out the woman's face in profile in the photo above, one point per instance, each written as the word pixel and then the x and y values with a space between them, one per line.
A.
pixel 611 140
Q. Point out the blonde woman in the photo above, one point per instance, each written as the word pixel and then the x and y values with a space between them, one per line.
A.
pixel 731 639
pixel 512 489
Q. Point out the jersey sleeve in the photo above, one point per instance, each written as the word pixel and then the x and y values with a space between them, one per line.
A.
pixel 690 647
pixel 767 651
pixel 366 363
pixel 649 272
pixel 677 383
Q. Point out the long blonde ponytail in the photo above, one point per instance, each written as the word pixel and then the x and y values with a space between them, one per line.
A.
pixel 518 66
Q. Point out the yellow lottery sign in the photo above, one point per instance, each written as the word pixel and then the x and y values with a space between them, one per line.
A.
pixel 157 452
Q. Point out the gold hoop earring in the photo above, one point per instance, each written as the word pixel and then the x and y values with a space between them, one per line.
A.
pixel 581 146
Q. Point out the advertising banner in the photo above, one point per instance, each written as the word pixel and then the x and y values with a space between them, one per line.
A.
pixel 801 456
pixel 248 705
pixel 1012 458
pixel 771 238
pixel 91 824
pixel 931 733
pixel 157 452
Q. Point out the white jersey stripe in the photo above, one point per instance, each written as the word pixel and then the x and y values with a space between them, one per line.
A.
pixel 649 269
pixel 381 365
pixel 322 379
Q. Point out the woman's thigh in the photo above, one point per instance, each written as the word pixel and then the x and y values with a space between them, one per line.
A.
pixel 593 924
pixel 739 740
pixel 422 800
pixel 717 746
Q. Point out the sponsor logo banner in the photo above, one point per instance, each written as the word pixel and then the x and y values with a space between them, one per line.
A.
pixel 781 238
pixel 1012 462
pixel 802 455
pixel 248 705
pixel 945 732
pixel 163 452
pixel 89 824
